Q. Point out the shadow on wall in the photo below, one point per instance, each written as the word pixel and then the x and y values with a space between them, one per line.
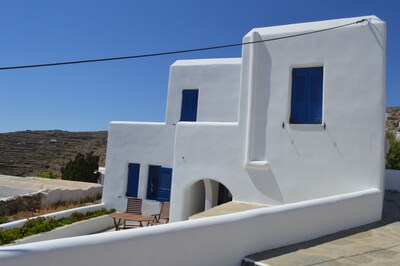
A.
pixel 260 88
pixel 194 199
pixel 203 195
pixel 375 32
pixel 265 182
pixel 311 128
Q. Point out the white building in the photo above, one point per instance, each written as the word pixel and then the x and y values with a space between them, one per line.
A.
pixel 296 123
pixel 281 124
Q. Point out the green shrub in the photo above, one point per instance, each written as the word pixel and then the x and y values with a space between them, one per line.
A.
pixel 393 156
pixel 78 216
pixel 3 220
pixel 9 235
pixel 82 168
pixel 41 225
pixel 48 174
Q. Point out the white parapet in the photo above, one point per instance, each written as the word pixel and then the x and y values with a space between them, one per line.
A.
pixel 221 240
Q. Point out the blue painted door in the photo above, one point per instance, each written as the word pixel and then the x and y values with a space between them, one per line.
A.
pixel 133 180
pixel 189 105
pixel 152 183
pixel 164 184
pixel 306 103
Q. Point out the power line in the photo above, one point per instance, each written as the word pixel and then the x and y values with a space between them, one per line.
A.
pixel 177 51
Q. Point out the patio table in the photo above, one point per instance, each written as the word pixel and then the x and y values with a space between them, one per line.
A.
pixel 119 216
pixel 142 219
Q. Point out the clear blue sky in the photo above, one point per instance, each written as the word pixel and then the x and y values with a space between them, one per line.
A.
pixel 87 97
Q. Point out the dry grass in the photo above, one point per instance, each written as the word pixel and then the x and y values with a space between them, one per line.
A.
pixel 46 210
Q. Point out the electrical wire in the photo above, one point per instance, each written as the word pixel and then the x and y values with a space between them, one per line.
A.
pixel 178 51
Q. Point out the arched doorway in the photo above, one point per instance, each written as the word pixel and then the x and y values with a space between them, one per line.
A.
pixel 203 195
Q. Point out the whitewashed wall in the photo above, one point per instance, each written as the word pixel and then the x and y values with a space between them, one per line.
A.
pixel 153 143
pixel 218 82
pixel 53 196
pixel 307 161
pixel 222 240
pixel 142 143
pixel 215 151
pixel 261 162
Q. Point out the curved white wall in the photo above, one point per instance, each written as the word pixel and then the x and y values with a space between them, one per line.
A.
pixel 222 240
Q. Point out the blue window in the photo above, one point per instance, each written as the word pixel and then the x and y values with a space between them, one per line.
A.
pixel 306 105
pixel 189 105
pixel 159 183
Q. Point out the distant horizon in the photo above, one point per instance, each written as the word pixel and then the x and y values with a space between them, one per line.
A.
pixel 72 131
pixel 77 131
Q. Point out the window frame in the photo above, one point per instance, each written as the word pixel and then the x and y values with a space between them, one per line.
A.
pixel 191 94
pixel 308 109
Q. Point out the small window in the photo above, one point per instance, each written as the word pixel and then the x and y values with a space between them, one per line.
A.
pixel 306 102
pixel 189 105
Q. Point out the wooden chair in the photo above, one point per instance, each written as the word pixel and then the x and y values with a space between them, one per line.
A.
pixel 134 206
pixel 163 215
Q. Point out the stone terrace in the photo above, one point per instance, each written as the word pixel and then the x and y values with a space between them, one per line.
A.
pixel 373 244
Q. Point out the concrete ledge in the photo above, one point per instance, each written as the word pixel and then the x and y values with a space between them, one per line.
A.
pixel 56 215
pixel 30 193
pixel 86 227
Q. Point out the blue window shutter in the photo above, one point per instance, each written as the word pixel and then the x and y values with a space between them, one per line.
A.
pixel 164 184
pixel 315 91
pixel 299 99
pixel 306 102
pixel 133 180
pixel 189 105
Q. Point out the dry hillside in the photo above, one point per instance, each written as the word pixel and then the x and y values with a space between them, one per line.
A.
pixel 28 153
pixel 393 118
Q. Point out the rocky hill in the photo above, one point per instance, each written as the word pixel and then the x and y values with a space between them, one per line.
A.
pixel 28 153
pixel 393 118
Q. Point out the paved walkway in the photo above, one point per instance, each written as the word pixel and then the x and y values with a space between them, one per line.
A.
pixel 373 244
